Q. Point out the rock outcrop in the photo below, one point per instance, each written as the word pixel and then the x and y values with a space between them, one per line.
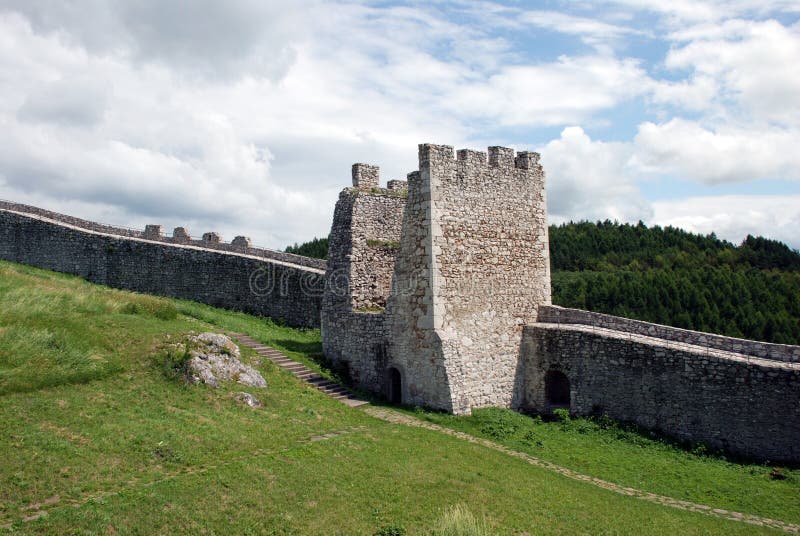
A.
pixel 215 358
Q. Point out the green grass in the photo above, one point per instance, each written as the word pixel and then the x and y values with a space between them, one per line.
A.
pixel 624 455
pixel 98 437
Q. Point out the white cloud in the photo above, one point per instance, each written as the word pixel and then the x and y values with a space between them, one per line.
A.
pixel 244 117
pixel 69 102
pixel 754 65
pixel 569 90
pixel 688 150
pixel 591 180
pixel 204 38
pixel 593 32
pixel 680 12
pixel 733 217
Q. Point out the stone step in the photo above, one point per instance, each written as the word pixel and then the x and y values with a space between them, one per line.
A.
pixel 306 376
pixel 336 392
pixel 354 402
pixel 322 382
pixel 301 372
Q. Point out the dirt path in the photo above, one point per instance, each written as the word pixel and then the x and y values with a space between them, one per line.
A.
pixel 396 417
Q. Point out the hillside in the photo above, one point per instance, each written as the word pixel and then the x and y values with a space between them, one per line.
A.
pixel 98 438
pixel 672 277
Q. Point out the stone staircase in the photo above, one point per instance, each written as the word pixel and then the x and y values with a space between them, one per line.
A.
pixel 300 371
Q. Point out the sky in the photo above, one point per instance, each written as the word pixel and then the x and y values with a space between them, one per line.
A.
pixel 244 116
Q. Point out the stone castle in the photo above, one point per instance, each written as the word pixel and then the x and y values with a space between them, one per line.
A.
pixel 436 292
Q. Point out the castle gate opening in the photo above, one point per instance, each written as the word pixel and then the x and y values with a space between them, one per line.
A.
pixel 556 389
pixel 394 386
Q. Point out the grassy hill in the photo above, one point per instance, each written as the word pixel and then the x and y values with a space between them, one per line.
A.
pixel 98 440
pixel 672 277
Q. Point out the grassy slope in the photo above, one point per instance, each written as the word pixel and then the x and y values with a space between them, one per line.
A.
pixel 612 452
pixel 91 426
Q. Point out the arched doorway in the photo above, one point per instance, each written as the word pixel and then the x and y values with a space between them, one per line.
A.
pixel 394 386
pixel 556 389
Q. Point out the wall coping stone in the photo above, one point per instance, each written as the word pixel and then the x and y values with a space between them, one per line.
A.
pixel 194 245
pixel 554 314
pixel 126 232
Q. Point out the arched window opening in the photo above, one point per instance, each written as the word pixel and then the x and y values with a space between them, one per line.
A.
pixel 556 388
pixel 394 386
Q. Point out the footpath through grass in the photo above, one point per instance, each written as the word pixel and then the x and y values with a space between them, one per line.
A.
pixel 625 455
pixel 96 439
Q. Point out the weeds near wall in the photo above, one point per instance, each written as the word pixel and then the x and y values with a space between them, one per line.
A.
pixel 161 309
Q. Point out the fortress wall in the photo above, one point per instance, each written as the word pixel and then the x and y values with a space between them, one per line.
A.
pixel 779 352
pixel 361 256
pixel 476 242
pixel 749 407
pixel 279 290
pixel 415 348
pixel 153 232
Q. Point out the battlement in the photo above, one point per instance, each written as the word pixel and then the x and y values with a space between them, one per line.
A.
pixel 155 233
pixel 397 185
pixel 494 157
pixel 366 176
pixel 212 238
pixel 181 236
pixel 242 242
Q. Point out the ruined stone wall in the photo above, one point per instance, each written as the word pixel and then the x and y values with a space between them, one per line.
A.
pixel 180 235
pixel 361 256
pixel 780 352
pixel 746 405
pixel 242 282
pixel 473 267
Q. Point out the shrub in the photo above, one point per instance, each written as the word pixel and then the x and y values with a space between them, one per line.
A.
pixel 391 530
pixel 173 360
pixel 562 415
pixel 498 425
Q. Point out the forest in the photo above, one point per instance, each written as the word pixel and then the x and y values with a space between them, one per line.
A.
pixel 670 276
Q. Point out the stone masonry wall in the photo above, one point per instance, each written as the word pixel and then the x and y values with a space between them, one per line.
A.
pixel 473 268
pixel 748 406
pixel 361 256
pixel 780 352
pixel 251 284
pixel 240 244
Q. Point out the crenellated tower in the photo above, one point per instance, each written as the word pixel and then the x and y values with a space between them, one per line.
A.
pixel 472 269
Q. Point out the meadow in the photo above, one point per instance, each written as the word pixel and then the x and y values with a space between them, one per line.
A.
pixel 98 439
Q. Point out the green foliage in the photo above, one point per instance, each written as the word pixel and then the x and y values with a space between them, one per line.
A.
pixel 562 415
pixel 499 426
pixel 173 360
pixel 391 530
pixel 672 277
pixel 316 248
